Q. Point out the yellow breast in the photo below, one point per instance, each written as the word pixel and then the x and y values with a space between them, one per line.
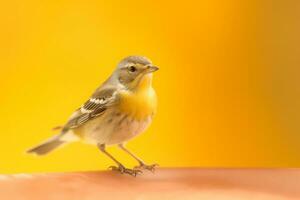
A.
pixel 140 103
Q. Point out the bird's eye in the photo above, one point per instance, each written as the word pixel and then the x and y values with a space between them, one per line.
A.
pixel 132 68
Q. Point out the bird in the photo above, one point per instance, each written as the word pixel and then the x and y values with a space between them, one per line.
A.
pixel 121 108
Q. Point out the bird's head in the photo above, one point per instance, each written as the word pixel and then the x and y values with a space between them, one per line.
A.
pixel 134 71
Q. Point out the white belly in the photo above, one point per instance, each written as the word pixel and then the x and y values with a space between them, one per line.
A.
pixel 112 128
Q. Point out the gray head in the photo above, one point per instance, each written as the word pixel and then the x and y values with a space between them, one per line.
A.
pixel 131 69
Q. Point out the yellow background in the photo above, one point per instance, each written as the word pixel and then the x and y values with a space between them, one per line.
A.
pixel 228 86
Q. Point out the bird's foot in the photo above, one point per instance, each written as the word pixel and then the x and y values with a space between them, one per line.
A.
pixel 124 170
pixel 143 166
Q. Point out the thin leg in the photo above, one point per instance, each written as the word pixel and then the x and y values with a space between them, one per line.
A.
pixel 102 148
pixel 120 167
pixel 140 161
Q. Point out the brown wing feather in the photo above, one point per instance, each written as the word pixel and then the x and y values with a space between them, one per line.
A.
pixel 92 108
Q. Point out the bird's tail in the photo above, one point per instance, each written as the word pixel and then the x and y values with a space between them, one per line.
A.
pixel 47 146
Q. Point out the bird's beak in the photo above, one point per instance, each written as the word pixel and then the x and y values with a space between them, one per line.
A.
pixel 151 69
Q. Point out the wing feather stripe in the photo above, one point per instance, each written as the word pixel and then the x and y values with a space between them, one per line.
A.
pixel 92 108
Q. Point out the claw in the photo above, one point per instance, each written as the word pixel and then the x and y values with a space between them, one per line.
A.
pixel 115 168
pixel 147 167
pixel 123 170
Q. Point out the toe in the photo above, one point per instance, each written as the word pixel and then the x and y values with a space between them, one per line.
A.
pixel 147 167
pixel 133 172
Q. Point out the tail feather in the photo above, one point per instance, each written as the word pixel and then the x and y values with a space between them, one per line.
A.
pixel 47 146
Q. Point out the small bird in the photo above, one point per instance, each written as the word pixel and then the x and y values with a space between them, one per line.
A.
pixel 120 109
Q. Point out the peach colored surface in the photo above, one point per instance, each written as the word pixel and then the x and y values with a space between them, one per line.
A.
pixel 212 184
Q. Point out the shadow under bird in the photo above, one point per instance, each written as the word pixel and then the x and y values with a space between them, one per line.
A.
pixel 120 109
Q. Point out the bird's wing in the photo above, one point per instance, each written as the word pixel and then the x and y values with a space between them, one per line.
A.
pixel 95 106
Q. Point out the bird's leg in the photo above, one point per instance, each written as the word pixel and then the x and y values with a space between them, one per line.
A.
pixel 120 167
pixel 142 165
